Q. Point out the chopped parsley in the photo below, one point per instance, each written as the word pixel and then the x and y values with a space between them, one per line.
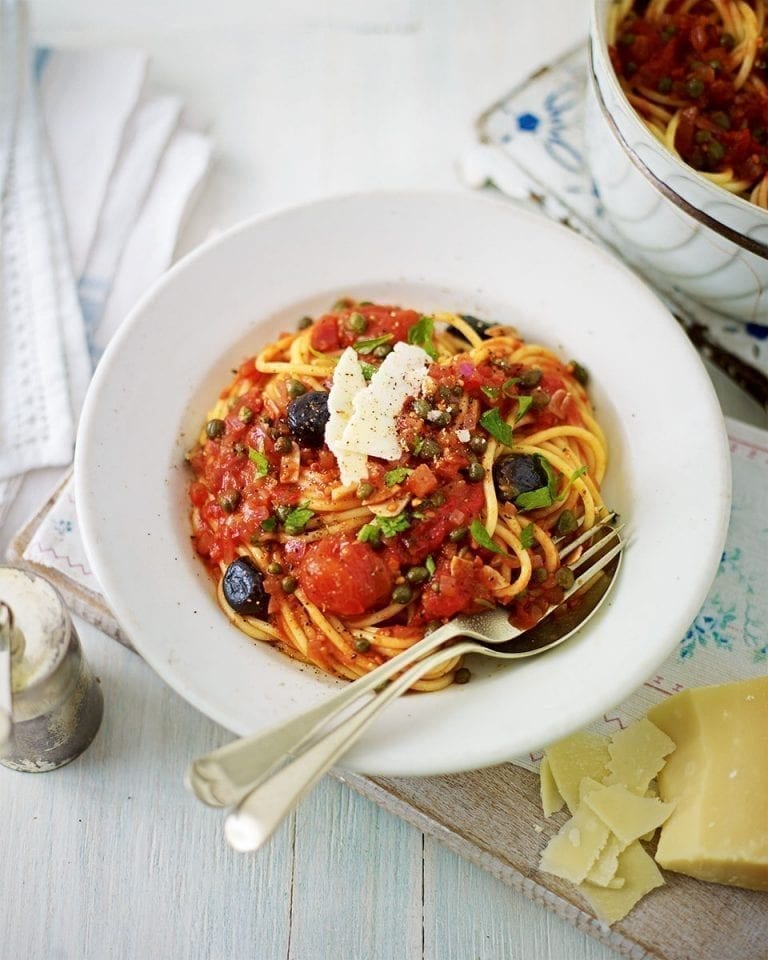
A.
pixel 579 472
pixel 429 563
pixel 527 539
pixel 391 477
pixel 497 427
pixel 523 403
pixel 368 346
pixel 297 519
pixel 368 370
pixel 422 335
pixel 482 538
pixel 261 462
pixel 491 392
pixel 383 527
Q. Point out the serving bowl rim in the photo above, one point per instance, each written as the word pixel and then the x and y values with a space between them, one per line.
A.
pixel 717 193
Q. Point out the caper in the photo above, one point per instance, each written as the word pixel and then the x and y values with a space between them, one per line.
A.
pixel 417 575
pixel 245 415
pixel 540 398
pixel 477 444
pixel 357 322
pixel 383 350
pixel 304 323
pixel 664 85
pixel 475 472
pixel 457 535
pixel 540 574
pixel 295 388
pixel 282 512
pixel 215 428
pixel 440 419
pixel 566 522
pixel 695 87
pixel 422 408
pixel 289 584
pixel 402 594
pixel 283 445
pixel 364 490
pixel 462 675
pixel 429 449
pixel 362 645
pixel 530 378
pixel 228 500
pixel 580 372
pixel 564 578
pixel 437 499
pixel 275 568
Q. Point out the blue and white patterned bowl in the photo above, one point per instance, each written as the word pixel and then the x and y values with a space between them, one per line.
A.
pixel 704 241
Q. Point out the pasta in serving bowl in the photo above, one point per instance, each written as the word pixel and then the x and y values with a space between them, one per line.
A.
pixel 676 89
pixel 379 471
pixel 236 305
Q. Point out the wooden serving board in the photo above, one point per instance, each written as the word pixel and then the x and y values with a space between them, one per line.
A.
pixel 493 818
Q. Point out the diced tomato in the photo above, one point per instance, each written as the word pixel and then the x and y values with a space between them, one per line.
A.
pixel 325 334
pixel 198 494
pixel 463 503
pixel 344 576
pixel 456 586
pixel 422 481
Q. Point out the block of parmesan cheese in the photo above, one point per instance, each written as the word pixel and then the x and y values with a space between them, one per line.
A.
pixel 718 777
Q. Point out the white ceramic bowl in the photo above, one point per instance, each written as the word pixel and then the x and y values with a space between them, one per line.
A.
pixel 674 223
pixel 668 473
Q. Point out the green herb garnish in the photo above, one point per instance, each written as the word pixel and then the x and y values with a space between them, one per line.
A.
pixel 297 519
pixel 261 462
pixel 383 527
pixel 498 428
pixel 429 563
pixel 491 392
pixel 527 538
pixel 422 335
pixel 391 477
pixel 368 370
pixel 481 537
pixel 368 346
pixel 523 403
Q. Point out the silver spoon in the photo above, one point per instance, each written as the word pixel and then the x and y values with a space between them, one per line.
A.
pixel 259 814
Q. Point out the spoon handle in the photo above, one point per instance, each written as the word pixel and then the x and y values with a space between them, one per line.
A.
pixel 224 776
pixel 262 810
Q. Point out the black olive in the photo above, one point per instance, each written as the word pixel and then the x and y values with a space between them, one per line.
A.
pixel 307 416
pixel 481 327
pixel 518 473
pixel 244 588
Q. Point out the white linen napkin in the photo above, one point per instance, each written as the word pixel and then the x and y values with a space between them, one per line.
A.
pixel 99 177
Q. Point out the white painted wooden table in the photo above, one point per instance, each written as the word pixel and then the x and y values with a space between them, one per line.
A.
pixel 110 857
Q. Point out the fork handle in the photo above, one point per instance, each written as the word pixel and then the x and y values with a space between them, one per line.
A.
pixel 223 777
pixel 262 810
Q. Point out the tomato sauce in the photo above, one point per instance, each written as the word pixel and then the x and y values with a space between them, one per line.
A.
pixel 688 57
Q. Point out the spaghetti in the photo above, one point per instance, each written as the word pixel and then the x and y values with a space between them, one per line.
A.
pixel 498 454
pixel 696 72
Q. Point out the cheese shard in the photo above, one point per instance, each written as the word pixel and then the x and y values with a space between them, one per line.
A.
pixel 640 875
pixel 604 869
pixel 718 775
pixel 348 381
pixel 372 428
pixel 627 816
pixel 637 755
pixel 551 801
pixel 571 853
pixel 580 755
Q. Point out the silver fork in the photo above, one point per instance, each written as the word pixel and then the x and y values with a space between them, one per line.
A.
pixel 261 811
pixel 224 777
